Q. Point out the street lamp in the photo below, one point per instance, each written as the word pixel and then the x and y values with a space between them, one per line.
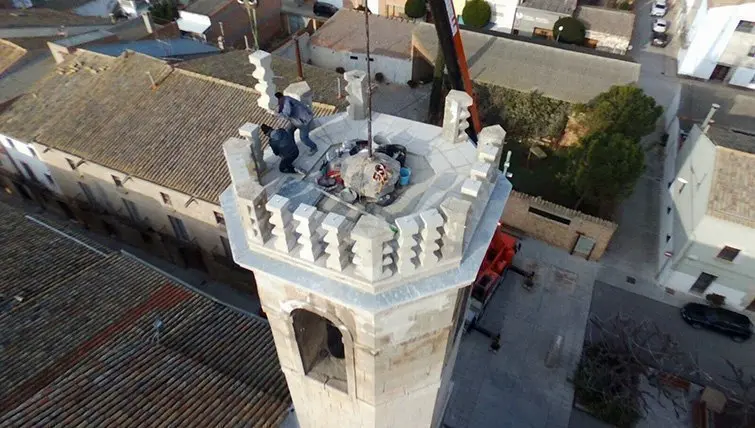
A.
pixel 560 29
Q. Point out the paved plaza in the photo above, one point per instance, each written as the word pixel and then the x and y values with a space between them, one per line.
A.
pixel 514 388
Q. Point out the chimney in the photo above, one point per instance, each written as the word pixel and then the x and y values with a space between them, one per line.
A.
pixel 706 123
pixel 148 24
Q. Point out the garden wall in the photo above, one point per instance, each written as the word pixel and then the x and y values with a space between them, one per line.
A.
pixel 557 225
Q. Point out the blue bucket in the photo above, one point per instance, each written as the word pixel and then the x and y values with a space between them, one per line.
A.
pixel 404 175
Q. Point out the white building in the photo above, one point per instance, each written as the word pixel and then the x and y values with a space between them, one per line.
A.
pixel 708 219
pixel 718 41
pixel 341 42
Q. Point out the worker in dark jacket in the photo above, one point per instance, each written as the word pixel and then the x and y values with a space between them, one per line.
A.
pixel 283 146
pixel 299 117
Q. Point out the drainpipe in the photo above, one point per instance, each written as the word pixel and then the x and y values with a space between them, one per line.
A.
pixel 706 122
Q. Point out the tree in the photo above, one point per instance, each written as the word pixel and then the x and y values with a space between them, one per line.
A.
pixel 622 109
pixel 476 13
pixel 603 168
pixel 573 31
pixel 415 8
pixel 618 353
pixel 164 11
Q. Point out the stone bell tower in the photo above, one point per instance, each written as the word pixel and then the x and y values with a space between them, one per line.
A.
pixel 366 302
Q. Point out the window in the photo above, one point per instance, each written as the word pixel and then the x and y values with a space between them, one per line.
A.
pixel 88 193
pixel 29 172
pixel 10 143
pixel 683 182
pixel 728 254
pixel 117 181
pixel 71 163
pixel 33 153
pixel 703 282
pixel 49 179
pixel 131 208
pixel 751 53
pixel 668 210
pixel 668 238
pixel 109 229
pixel 226 247
pixel 745 26
pixel 321 348
pixel 219 219
pixel 179 229
pixel 166 198
pixel 549 216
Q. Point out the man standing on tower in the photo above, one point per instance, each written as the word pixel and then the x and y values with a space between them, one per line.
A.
pixel 299 117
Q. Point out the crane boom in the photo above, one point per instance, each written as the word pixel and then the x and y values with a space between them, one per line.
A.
pixel 449 39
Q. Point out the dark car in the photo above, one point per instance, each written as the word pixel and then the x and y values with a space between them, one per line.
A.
pixel 737 326
pixel 660 39
pixel 324 9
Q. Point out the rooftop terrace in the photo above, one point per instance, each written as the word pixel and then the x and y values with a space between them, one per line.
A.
pixel 432 236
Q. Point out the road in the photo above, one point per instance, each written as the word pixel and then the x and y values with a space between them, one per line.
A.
pixel 712 349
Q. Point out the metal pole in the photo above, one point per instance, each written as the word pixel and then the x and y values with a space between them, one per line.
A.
pixel 369 80
pixel 298 59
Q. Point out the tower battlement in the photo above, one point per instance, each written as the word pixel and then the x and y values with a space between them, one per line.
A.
pixel 366 301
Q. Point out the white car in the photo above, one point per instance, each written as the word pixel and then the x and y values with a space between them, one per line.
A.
pixel 660 25
pixel 659 8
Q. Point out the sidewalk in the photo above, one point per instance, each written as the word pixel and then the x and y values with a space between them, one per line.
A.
pixel 514 388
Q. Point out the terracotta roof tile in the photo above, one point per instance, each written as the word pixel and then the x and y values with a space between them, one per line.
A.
pixel 82 350
pixel 105 111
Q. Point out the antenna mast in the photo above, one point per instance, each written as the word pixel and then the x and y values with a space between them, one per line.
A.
pixel 369 80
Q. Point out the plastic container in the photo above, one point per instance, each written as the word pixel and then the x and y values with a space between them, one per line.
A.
pixel 404 175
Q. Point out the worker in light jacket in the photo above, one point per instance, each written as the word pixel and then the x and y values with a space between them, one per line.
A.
pixel 299 117
pixel 283 146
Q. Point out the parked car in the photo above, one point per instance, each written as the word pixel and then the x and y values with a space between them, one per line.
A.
pixel 659 8
pixel 735 325
pixel 660 25
pixel 660 39
pixel 324 9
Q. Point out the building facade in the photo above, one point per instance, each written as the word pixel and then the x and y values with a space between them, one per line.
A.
pixel 718 41
pixel 211 20
pixel 708 224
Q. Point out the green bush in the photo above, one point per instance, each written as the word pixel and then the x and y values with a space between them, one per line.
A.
pixel 415 8
pixel 625 5
pixel 573 31
pixel 476 13
pixel 526 116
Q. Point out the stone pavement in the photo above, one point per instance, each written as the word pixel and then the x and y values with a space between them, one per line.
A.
pixel 402 101
pixel 711 349
pixel 514 388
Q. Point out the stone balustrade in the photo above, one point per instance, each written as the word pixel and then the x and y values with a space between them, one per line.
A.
pixel 369 248
pixel 455 115
pixel 263 72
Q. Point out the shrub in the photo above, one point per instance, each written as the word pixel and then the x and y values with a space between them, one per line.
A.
pixel 573 30
pixel 526 116
pixel 379 77
pixel 625 5
pixel 609 394
pixel 415 8
pixel 476 13
pixel 340 70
